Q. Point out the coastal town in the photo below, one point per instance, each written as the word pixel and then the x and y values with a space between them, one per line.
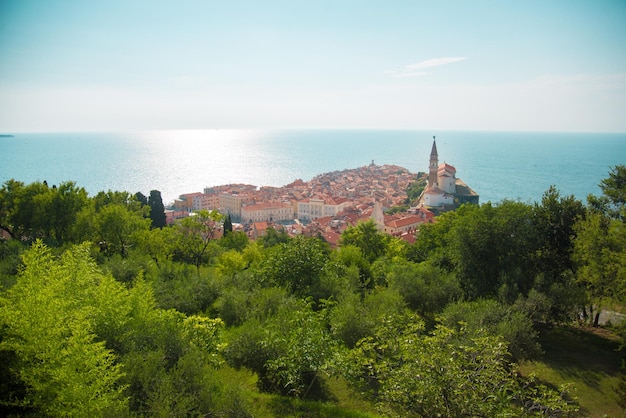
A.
pixel 329 203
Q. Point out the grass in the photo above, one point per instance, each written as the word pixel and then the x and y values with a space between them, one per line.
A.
pixel 588 359
pixel 244 399
pixel 280 406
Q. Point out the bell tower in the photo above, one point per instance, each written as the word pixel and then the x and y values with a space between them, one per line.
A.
pixel 432 167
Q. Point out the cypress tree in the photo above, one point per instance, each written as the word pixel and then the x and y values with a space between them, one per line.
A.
pixel 228 225
pixel 141 198
pixel 157 209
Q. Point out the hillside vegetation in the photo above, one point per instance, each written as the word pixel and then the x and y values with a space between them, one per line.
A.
pixel 494 311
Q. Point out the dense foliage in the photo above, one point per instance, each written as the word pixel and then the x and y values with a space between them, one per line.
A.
pixel 105 311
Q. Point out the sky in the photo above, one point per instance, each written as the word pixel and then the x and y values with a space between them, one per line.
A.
pixel 532 65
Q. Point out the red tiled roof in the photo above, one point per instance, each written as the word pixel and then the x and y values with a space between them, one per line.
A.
pixel 260 226
pixel 446 167
pixel 332 238
pixel 407 220
pixel 409 237
pixel 265 205
pixel 323 221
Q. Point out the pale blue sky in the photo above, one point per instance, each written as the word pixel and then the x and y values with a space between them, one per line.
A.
pixel 112 65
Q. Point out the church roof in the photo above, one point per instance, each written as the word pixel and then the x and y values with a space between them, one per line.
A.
pixel 446 167
pixel 433 190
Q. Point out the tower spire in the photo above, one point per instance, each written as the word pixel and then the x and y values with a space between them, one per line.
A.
pixel 433 164
pixel 433 152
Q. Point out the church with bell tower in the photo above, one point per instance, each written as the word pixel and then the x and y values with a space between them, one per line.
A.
pixel 444 190
pixel 434 164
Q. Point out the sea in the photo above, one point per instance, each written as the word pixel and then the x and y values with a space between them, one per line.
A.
pixel 497 165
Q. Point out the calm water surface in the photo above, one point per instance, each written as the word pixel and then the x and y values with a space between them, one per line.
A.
pixel 498 165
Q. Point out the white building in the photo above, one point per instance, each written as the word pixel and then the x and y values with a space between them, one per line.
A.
pixel 231 203
pixel 320 207
pixel 267 212
pixel 205 202
pixel 442 182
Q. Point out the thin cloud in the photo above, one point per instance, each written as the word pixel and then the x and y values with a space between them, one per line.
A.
pixel 414 70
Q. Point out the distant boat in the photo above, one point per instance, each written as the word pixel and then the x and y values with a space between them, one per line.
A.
pixel 6 136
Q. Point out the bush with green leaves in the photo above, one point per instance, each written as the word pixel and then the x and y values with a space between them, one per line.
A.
pixel 449 373
pixel 81 343
pixel 357 317
pixel 178 287
pixel 48 322
pixel 288 351
pixel 496 319
pixel 425 288
pixel 297 265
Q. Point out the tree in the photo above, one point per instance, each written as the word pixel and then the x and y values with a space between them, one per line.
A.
pixel 80 343
pixel 554 221
pixel 157 209
pixel 356 317
pixel 66 202
pixel 35 210
pixel 495 319
pixel 350 258
pixel 48 323
pixel 600 243
pixel 122 198
pixel 304 348
pixel 195 235
pixel 118 228
pixel 228 225
pixel 415 189
pixel 230 263
pixel 366 236
pixel 237 240
pixel 600 254
pixel 490 248
pixel 447 373
pixel 613 199
pixel 288 350
pixel 493 247
pixel 425 289
pixel 297 265
pixel 141 198
pixel 157 243
pixel 273 237
pixel 19 213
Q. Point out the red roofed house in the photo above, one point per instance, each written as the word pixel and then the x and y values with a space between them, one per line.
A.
pixel 404 224
pixel 259 229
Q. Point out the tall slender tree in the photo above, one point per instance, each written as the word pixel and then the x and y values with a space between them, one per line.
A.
pixel 228 225
pixel 141 198
pixel 157 209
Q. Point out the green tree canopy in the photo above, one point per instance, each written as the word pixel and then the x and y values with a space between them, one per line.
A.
pixel 48 322
pixel 273 237
pixel 297 265
pixel 554 220
pixel 118 228
pixel 447 373
pixel 228 225
pixel 366 236
pixel 195 235
pixel 600 254
pixel 613 199
pixel 36 210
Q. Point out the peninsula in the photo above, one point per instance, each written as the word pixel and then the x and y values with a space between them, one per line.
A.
pixel 331 202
